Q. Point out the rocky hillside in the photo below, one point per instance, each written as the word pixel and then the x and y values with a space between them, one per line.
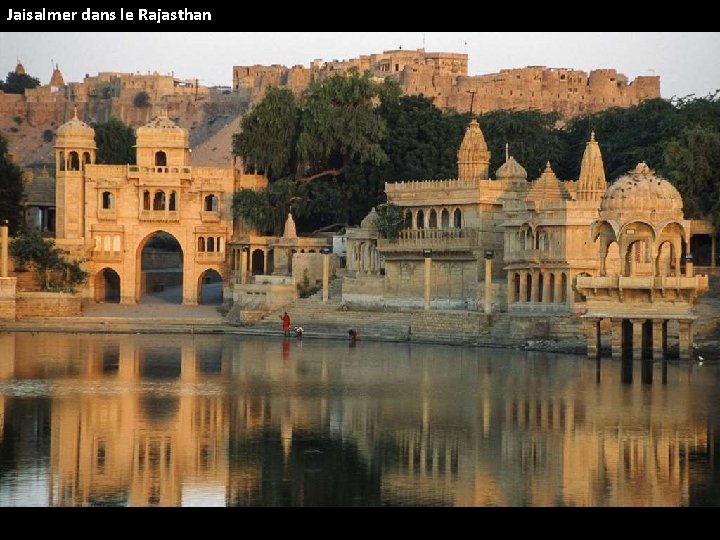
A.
pixel 211 126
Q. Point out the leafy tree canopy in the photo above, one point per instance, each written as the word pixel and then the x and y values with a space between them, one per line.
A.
pixel 11 189
pixel 17 83
pixel 53 272
pixel 115 141
pixel 344 138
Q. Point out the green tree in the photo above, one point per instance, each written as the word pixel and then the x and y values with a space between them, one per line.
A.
pixel 692 164
pixel 265 210
pixel 390 220
pixel 532 137
pixel 115 141
pixel 339 126
pixel 627 136
pixel 11 189
pixel 52 270
pixel 321 143
pixel 269 134
pixel 17 83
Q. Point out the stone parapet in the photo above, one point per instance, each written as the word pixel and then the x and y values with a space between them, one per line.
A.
pixel 8 294
pixel 47 304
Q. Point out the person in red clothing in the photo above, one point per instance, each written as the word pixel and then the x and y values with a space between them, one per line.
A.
pixel 285 318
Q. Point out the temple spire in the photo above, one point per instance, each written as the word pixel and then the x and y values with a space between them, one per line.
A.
pixel 473 157
pixel 591 183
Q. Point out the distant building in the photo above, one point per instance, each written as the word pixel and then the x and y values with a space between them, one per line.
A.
pixel 443 77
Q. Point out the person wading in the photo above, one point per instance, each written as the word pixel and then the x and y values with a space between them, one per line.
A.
pixel 285 318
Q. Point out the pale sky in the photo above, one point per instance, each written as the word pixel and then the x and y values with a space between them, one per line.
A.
pixel 686 62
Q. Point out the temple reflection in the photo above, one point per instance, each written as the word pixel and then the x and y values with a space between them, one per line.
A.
pixel 205 420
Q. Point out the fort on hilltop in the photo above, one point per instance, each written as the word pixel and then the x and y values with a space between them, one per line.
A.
pixel 443 76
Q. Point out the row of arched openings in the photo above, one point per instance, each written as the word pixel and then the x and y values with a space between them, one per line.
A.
pixel 159 201
pixel 432 219
pixel 72 161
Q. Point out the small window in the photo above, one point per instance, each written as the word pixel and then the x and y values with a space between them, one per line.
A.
pixel 108 201
pixel 210 244
pixel 160 159
pixel 201 244
pixel 74 162
pixel 172 206
pixel 211 203
pixel 146 200
pixel 159 201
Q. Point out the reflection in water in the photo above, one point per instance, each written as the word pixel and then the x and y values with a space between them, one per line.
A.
pixel 227 420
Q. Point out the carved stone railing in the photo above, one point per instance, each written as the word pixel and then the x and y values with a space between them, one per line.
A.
pixel 135 171
pixel 433 238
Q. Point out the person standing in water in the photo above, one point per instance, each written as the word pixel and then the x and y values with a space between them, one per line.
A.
pixel 285 318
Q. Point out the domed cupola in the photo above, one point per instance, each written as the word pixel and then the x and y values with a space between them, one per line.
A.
pixel 162 143
pixel 75 145
pixel 641 194
pixel 511 171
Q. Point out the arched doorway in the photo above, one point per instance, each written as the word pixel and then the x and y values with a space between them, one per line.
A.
pixel 210 288
pixel 160 276
pixel 107 286
pixel 258 262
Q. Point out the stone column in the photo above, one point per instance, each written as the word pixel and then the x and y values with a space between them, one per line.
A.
pixel 569 293
pixel 534 290
pixel 617 341
pixel 689 269
pixel 510 288
pixel 243 266
pixel 265 262
pixel 546 288
pixel 685 339
pixel 637 335
pixel 428 276
pixel 326 277
pixel 4 257
pixel 523 287
pixel 591 327
pixel 557 293
pixel 488 286
pixel 659 336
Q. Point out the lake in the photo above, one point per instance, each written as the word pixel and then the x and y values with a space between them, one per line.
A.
pixel 212 420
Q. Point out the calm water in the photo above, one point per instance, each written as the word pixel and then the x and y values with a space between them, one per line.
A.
pixel 225 420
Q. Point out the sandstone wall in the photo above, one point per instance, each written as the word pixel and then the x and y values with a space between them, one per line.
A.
pixel 44 304
pixel 444 78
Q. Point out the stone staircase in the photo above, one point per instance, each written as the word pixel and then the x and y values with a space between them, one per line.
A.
pixel 151 325
pixel 330 319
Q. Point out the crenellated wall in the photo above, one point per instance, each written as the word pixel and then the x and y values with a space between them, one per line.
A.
pixel 443 77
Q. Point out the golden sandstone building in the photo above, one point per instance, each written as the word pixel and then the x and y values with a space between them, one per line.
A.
pixel 565 248
pixel 107 213
pixel 577 251
pixel 443 77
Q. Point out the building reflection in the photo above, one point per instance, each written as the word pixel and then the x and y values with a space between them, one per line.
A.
pixel 155 421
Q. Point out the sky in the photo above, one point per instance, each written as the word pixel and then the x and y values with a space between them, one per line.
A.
pixel 687 62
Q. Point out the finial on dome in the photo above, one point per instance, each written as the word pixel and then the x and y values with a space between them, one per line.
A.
pixel 548 168
pixel 592 136
pixel 75 116
pixel 642 168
